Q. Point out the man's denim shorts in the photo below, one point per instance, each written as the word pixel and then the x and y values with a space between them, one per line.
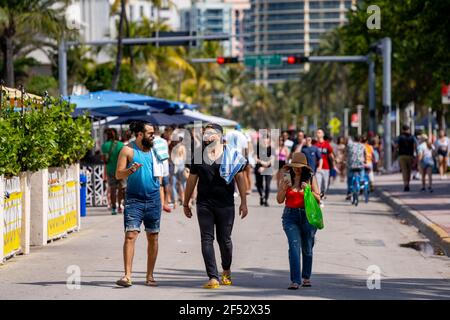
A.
pixel 146 211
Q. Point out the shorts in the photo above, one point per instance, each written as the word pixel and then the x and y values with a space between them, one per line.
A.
pixel 424 165
pixel 165 181
pixel 442 152
pixel 115 183
pixel 143 211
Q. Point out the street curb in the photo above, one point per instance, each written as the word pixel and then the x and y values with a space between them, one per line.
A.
pixel 430 229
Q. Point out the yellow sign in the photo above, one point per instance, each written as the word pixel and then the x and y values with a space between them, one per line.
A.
pixel 13 223
pixel 335 125
pixel 56 214
pixel 70 203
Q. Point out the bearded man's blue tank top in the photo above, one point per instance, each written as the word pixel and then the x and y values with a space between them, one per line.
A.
pixel 142 184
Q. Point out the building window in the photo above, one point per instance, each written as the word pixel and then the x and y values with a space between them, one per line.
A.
pixel 141 11
pixel 298 5
pixel 131 12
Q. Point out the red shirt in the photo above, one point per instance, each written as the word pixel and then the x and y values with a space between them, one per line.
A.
pixel 326 149
pixel 294 199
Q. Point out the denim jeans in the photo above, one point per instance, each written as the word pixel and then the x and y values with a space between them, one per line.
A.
pixel 300 234
pixel 222 220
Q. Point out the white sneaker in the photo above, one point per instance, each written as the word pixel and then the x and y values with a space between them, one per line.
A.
pixel 322 205
pixel 235 195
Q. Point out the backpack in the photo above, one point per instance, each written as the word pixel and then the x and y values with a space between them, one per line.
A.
pixel 111 149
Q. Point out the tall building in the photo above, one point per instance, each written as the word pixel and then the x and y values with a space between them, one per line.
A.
pixel 208 17
pixel 289 27
pixel 238 11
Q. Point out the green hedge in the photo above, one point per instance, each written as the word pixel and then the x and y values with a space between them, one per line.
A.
pixel 44 135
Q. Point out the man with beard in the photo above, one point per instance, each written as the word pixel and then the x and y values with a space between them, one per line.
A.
pixel 143 198
pixel 215 201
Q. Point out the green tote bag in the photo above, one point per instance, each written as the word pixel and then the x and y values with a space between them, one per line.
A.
pixel 312 208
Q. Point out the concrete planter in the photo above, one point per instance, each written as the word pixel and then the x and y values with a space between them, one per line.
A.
pixel 39 203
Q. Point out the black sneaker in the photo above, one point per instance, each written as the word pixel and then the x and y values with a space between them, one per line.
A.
pixel 423 189
pixel 430 189
pixel 261 201
pixel 406 189
pixel 266 204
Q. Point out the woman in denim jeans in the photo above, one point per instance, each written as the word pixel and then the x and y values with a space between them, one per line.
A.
pixel 299 231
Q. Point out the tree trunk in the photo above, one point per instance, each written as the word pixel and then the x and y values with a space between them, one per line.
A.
pixel 130 47
pixel 9 61
pixel 116 74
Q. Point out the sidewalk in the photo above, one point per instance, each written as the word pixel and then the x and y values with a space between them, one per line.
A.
pixel 429 212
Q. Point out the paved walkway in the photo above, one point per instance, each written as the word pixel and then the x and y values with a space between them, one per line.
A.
pixel 353 240
pixel 434 207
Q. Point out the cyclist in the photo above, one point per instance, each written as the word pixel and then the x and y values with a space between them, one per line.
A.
pixel 356 161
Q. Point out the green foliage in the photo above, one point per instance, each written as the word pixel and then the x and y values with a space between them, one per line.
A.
pixel 38 84
pixel 100 78
pixel 42 136
pixel 9 144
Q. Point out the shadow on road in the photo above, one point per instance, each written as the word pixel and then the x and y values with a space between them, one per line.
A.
pixel 261 283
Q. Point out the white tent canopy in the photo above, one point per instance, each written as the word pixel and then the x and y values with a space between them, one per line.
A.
pixel 207 118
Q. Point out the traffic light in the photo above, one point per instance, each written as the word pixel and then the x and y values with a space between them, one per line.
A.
pixel 297 59
pixel 223 60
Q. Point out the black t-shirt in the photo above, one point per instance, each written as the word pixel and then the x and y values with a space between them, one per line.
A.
pixel 405 145
pixel 212 190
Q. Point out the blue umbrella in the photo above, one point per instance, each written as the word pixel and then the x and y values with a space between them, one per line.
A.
pixel 90 113
pixel 159 119
pixel 109 108
pixel 141 99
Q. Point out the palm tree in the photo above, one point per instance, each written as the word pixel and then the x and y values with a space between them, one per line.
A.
pixel 36 18
pixel 230 82
pixel 124 20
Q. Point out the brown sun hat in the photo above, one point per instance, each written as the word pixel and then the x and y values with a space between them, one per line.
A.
pixel 299 161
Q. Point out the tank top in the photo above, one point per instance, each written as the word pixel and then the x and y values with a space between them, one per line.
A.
pixel 282 155
pixel 294 199
pixel 142 184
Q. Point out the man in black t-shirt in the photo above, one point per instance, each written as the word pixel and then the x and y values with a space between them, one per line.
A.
pixel 215 205
pixel 405 145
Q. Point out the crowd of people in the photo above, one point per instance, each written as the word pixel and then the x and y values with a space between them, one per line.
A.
pixel 418 155
pixel 154 171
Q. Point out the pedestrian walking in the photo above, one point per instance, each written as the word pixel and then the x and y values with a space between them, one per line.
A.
pixel 215 175
pixel 405 145
pixel 116 187
pixel 323 171
pixel 426 162
pixel 369 163
pixel 299 232
pixel 442 146
pixel 282 155
pixel 341 158
pixel 356 161
pixel 312 153
pixel 263 169
pixel 299 142
pixel 143 198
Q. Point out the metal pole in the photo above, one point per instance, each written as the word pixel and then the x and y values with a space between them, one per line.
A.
pixel 387 51
pixel 346 122
pixel 397 120
pixel 430 129
pixel 360 107
pixel 372 107
pixel 62 67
